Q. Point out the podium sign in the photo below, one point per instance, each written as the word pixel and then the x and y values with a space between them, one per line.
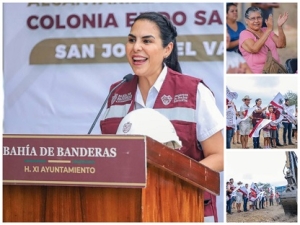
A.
pixel 51 178
pixel 75 160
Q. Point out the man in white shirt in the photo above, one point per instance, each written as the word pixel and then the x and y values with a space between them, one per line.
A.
pixel 245 124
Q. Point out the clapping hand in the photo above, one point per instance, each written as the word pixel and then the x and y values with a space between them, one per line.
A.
pixel 282 19
pixel 269 22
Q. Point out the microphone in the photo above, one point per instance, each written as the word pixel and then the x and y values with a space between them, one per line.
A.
pixel 127 78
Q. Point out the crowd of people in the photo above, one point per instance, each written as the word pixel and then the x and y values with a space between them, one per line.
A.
pixel 248 198
pixel 248 44
pixel 245 124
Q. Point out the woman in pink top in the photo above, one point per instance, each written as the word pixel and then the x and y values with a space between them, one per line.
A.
pixel 253 40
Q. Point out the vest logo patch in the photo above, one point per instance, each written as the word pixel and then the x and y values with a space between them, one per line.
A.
pixel 166 99
pixel 121 98
pixel 126 127
pixel 181 98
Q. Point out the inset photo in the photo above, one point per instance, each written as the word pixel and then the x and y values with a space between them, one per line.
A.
pixel 261 187
pixel 261 112
pixel 261 38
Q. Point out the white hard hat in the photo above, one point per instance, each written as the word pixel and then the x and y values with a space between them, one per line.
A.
pixel 149 122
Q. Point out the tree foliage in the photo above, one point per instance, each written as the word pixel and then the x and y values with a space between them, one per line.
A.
pixel 265 186
pixel 293 97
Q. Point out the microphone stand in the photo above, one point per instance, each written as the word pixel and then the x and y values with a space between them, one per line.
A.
pixel 125 79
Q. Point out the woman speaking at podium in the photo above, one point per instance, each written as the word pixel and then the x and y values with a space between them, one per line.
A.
pixel 151 51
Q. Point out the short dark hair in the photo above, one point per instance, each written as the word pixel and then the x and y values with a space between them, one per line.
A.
pixel 228 5
pixel 258 99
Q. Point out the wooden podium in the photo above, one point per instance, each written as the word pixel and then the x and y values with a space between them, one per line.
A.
pixel 173 193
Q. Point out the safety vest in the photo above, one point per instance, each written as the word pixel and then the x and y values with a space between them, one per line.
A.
pixel 177 101
pixel 257 116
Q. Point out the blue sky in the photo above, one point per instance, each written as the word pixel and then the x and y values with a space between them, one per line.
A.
pixel 260 86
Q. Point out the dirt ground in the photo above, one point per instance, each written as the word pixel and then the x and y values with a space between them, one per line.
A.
pixel 261 141
pixel 268 214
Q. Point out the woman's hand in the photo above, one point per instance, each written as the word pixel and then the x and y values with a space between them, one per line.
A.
pixel 269 22
pixel 282 19
pixel 280 39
